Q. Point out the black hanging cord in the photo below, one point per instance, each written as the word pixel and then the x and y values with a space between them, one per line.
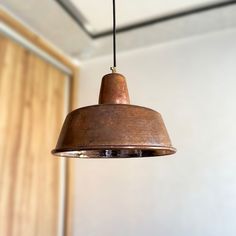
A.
pixel 114 37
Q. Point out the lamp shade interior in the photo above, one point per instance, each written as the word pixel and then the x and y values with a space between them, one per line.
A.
pixel 117 153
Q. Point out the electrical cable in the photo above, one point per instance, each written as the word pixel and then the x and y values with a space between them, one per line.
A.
pixel 114 37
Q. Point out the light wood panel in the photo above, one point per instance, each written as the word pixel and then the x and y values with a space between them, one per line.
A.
pixel 32 94
pixel 43 44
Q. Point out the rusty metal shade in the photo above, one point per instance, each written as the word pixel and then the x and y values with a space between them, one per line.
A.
pixel 114 128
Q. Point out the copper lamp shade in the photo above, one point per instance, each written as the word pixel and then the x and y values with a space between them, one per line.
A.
pixel 114 128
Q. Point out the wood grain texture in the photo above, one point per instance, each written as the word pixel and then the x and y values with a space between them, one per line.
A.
pixel 43 44
pixel 32 94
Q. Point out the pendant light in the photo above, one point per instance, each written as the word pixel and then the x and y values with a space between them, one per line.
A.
pixel 113 128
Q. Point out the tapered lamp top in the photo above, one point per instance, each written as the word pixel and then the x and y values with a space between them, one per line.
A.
pixel 114 128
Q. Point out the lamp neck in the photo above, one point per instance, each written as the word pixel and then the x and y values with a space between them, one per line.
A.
pixel 114 90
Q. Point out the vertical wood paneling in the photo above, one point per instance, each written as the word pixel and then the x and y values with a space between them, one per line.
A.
pixel 32 98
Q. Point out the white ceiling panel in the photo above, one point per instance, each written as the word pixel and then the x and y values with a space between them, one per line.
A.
pixel 50 20
pixel 98 13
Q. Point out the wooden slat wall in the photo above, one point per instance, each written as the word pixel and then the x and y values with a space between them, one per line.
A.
pixel 32 98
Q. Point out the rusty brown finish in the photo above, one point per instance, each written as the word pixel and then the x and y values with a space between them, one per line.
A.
pixel 116 127
pixel 114 90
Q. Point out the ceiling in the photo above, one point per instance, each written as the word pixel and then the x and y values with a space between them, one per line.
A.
pixel 53 22
pixel 98 14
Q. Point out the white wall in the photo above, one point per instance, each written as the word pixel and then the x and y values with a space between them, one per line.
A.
pixel 193 84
